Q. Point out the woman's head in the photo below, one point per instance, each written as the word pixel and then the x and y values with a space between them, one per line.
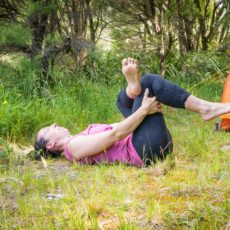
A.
pixel 51 140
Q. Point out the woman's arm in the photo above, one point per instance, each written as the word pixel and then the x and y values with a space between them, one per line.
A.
pixel 84 146
pixel 149 106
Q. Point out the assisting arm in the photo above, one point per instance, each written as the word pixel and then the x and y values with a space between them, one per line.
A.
pixel 149 106
pixel 85 146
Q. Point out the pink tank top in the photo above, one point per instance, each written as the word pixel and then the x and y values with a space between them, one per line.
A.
pixel 121 151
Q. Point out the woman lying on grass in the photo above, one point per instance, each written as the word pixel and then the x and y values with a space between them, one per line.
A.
pixel 142 137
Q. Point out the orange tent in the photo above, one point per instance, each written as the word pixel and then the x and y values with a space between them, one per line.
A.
pixel 225 122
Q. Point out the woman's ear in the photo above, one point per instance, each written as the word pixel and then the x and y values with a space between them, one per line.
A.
pixel 50 145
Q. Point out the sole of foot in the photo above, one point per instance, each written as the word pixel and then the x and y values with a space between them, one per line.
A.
pixel 131 72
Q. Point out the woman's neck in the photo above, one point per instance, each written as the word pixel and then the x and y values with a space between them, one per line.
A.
pixel 64 142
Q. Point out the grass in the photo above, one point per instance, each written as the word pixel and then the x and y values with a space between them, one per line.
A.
pixel 189 190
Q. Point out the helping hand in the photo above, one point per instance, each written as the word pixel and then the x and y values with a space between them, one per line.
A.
pixel 150 104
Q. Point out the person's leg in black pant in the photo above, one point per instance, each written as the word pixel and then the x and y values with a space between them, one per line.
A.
pixel 124 103
pixel 152 139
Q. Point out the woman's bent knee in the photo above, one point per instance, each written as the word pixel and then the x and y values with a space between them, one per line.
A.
pixel 153 82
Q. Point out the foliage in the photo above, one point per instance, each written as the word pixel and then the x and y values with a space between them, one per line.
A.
pixel 9 34
pixel 50 27
pixel 5 152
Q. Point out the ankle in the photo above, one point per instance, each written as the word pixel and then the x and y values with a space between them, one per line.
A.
pixel 129 93
pixel 196 104
pixel 204 107
pixel 133 92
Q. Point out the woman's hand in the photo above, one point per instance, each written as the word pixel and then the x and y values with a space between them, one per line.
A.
pixel 150 104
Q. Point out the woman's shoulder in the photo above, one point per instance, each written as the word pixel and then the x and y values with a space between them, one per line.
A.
pixel 96 128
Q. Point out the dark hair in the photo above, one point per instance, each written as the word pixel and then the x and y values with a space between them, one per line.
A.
pixel 42 151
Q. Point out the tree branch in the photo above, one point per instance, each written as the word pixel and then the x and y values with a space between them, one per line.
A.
pixel 11 48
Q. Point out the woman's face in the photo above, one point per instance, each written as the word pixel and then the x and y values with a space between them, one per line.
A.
pixel 53 133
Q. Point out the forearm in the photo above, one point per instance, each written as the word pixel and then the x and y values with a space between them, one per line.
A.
pixel 127 126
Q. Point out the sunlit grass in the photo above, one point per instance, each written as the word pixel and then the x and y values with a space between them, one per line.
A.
pixel 188 190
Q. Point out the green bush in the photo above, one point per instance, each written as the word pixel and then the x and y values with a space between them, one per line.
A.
pixel 9 34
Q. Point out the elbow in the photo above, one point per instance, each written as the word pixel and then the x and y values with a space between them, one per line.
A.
pixel 77 156
pixel 116 134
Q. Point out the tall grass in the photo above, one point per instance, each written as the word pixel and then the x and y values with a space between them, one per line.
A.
pixel 80 97
pixel 189 190
pixel 202 74
pixel 73 107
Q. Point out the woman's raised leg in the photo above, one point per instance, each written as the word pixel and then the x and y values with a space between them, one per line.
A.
pixel 124 103
pixel 152 138
pixel 172 95
pixel 126 97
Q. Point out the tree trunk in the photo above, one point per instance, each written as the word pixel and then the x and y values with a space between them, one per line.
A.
pixel 189 34
pixel 91 26
pixel 161 45
pixel 38 25
pixel 181 29
pixel 76 18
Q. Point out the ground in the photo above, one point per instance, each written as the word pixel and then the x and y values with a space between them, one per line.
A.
pixel 189 190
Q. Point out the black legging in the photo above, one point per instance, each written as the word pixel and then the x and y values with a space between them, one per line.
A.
pixel 151 138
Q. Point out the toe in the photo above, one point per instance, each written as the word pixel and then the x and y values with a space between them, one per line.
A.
pixel 124 61
pixel 136 62
pixel 129 60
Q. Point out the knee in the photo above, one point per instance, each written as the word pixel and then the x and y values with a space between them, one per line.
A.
pixel 147 78
pixel 152 81
pixel 151 75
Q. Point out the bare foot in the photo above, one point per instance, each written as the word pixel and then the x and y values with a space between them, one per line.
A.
pixel 214 110
pixel 208 110
pixel 132 75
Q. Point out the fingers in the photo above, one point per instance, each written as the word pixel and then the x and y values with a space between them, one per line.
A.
pixel 159 110
pixel 146 93
pixel 151 104
pixel 153 99
pixel 158 105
